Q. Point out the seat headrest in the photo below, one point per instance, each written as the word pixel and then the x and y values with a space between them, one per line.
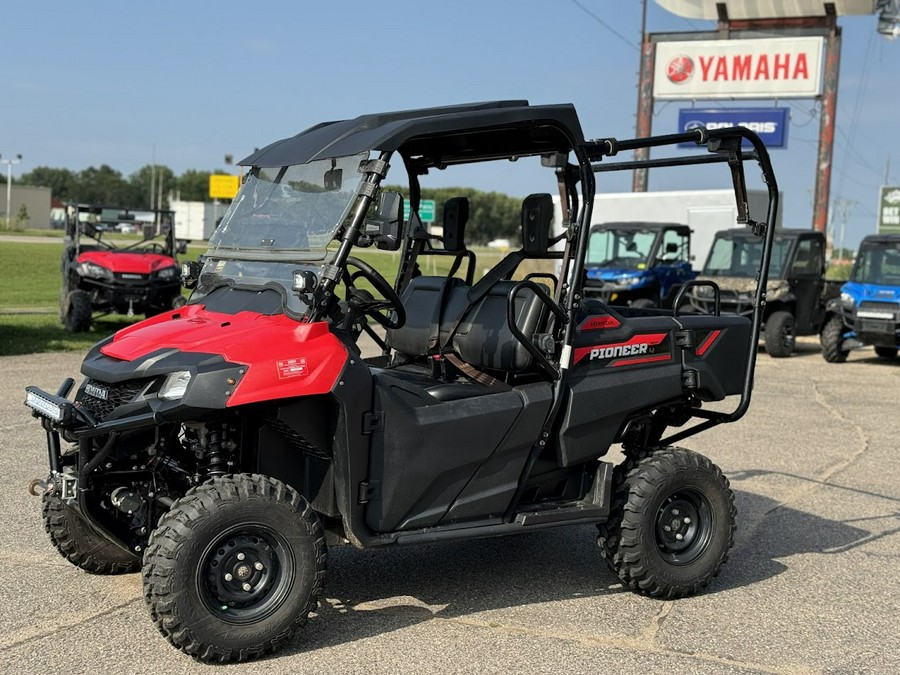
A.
pixel 537 216
pixel 456 214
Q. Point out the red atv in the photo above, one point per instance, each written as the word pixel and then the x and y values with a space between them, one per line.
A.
pixel 101 276
pixel 222 447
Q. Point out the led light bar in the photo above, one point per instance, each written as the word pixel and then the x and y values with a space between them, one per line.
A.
pixel 875 315
pixel 42 406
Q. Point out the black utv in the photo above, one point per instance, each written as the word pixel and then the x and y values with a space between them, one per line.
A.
pixel 222 447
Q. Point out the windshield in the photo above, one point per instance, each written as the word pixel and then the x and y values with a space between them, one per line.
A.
pixel 253 276
pixel 288 213
pixel 281 221
pixel 878 263
pixel 740 257
pixel 628 249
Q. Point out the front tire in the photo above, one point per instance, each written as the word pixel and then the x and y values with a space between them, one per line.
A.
pixel 671 524
pixel 234 568
pixel 77 542
pixel 780 334
pixel 78 314
pixel 831 339
pixel 886 352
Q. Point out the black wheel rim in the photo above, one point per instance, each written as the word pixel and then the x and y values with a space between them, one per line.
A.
pixel 246 574
pixel 684 526
pixel 787 336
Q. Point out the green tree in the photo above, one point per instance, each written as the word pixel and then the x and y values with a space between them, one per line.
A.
pixel 146 182
pixel 22 217
pixel 106 186
pixel 492 215
pixel 63 183
pixel 193 185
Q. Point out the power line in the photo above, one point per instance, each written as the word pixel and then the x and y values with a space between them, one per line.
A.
pixel 605 25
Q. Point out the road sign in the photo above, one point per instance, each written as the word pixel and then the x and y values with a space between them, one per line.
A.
pixel 223 186
pixel 426 210
pixel 889 210
pixel 770 123
pixel 788 67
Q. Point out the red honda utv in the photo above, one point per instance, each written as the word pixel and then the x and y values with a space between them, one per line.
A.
pixel 222 447
pixel 104 274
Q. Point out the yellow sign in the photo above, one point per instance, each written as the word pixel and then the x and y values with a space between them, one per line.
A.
pixel 223 186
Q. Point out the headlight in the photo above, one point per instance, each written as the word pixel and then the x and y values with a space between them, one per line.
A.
pixel 628 281
pixel 167 273
pixel 175 385
pixel 93 270
pixel 848 299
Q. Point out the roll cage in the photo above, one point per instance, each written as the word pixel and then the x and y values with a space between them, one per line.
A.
pixel 440 137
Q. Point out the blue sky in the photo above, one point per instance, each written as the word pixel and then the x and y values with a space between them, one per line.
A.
pixel 121 82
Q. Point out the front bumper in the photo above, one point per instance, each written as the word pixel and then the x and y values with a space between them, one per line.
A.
pixel 140 295
pixel 875 324
pixel 730 302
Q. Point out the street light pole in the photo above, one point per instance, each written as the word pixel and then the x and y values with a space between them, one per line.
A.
pixel 9 163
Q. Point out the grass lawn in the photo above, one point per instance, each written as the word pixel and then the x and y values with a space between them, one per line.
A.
pixel 30 281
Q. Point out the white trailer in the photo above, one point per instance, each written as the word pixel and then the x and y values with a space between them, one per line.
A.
pixel 704 211
pixel 196 221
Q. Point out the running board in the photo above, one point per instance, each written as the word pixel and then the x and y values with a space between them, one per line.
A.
pixel 594 508
pixel 584 511
pixel 492 528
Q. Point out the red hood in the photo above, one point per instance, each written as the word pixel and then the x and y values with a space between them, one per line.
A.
pixel 284 357
pixel 133 263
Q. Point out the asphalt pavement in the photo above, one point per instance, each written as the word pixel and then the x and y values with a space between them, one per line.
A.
pixel 812 584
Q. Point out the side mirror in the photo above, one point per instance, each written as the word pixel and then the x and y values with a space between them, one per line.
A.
pixel 334 178
pixel 384 229
pixel 671 247
pixel 190 273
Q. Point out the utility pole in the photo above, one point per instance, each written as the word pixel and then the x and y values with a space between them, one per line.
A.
pixel 844 207
pixel 9 163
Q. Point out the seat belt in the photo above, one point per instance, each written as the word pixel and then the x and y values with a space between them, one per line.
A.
pixel 476 375
pixel 478 291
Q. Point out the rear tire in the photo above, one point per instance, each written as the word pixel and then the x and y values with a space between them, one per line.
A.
pixel 780 335
pixel 77 542
pixel 643 303
pixel 886 352
pixel 234 568
pixel 831 338
pixel 676 489
pixel 78 315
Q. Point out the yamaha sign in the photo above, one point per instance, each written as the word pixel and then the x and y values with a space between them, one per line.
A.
pixel 709 69
pixel 769 123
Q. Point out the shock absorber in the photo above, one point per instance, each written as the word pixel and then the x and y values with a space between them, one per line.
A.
pixel 216 458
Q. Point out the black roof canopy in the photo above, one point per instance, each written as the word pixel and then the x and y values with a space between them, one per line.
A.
pixel 882 238
pixel 638 225
pixel 435 136
pixel 780 233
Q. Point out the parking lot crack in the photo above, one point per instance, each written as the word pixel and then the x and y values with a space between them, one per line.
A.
pixel 859 449
pixel 657 621
pixel 39 632
pixel 639 644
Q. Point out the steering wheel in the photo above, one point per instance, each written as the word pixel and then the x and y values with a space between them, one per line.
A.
pixel 364 302
pixel 153 247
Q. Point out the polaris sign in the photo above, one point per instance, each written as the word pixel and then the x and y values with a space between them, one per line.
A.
pixel 769 123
